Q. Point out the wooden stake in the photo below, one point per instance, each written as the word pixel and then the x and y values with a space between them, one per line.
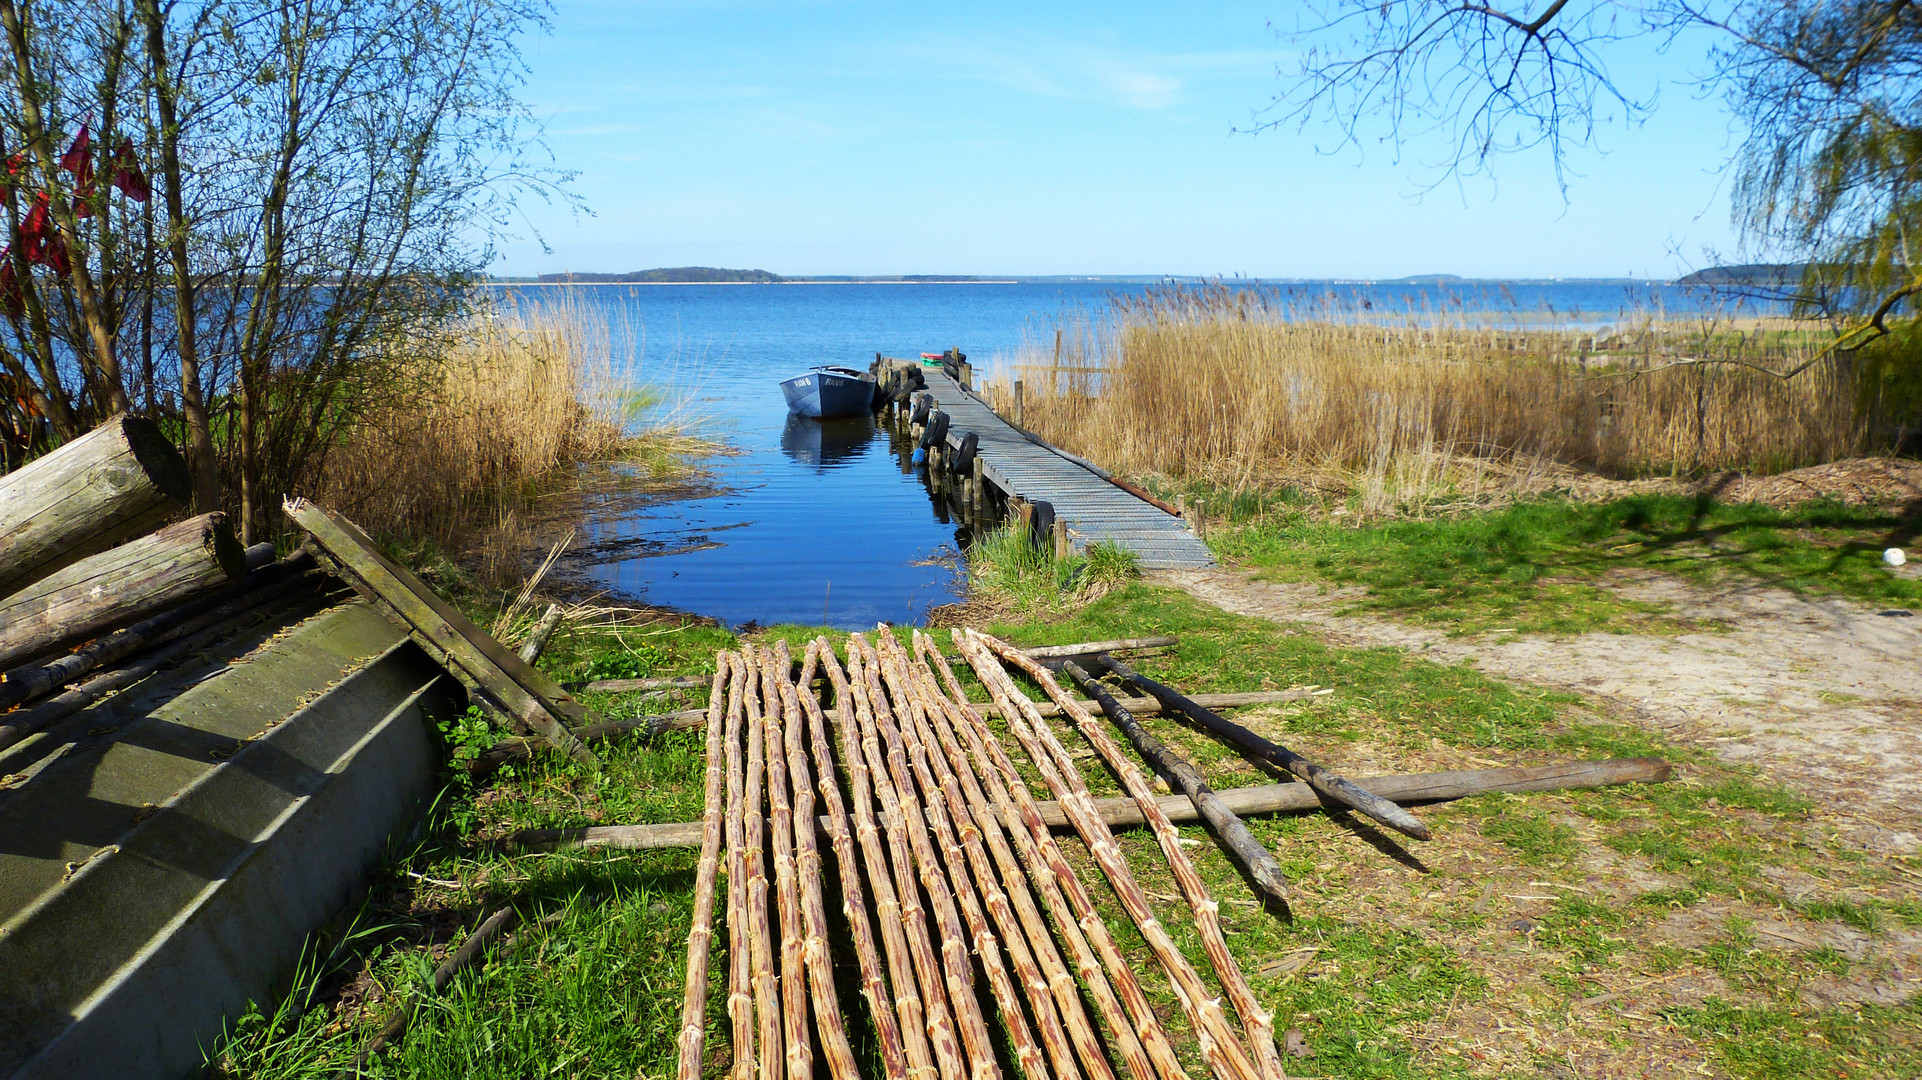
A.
pixel 767 1005
pixel 701 933
pixel 740 948
pixel 899 802
pixel 530 649
pixel 1087 934
pixel 1322 780
pixel 807 872
pixel 1257 1020
pixel 949 820
pixel 1219 1045
pixel 854 905
pixel 793 984
pixel 922 1023
pixel 1234 835
pixel 1051 990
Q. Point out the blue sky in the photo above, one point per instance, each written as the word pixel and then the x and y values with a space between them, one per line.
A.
pixel 874 138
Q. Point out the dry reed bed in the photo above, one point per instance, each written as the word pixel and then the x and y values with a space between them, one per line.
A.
pixel 512 401
pixel 1214 387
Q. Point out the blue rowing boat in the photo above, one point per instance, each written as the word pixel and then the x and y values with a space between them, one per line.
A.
pixel 825 392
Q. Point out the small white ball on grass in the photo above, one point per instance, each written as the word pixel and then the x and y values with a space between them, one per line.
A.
pixel 1894 557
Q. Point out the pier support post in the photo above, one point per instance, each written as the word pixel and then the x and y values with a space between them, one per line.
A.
pixel 1062 548
pixel 1017 405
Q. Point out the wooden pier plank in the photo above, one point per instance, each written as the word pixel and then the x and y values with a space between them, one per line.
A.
pixel 1094 509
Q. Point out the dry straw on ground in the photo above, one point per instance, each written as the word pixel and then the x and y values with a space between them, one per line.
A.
pixel 1242 389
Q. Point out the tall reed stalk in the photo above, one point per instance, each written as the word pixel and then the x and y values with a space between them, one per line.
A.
pixel 1239 388
pixel 515 399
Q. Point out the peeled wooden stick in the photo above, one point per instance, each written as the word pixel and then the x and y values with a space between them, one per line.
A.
pixel 911 715
pixel 942 1028
pixel 1241 844
pixel 1322 780
pixel 899 800
pixel 694 996
pixel 767 1006
pixel 740 997
pixel 807 873
pixel 976 824
pixel 794 1000
pixel 922 1023
pixel 1219 1045
pixel 994 828
pixel 1050 870
pixel 1260 1024
pixel 854 906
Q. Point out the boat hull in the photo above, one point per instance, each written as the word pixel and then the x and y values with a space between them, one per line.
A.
pixel 826 394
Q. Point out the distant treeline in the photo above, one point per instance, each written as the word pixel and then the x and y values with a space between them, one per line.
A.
pixel 665 275
pixel 1755 275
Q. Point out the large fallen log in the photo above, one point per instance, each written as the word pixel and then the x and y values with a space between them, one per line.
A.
pixel 119 480
pixel 26 683
pixel 119 585
pixel 1263 799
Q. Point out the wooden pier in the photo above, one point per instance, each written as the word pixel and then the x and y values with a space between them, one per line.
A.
pixel 1014 468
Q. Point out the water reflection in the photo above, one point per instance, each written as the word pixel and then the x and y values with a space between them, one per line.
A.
pixel 826 444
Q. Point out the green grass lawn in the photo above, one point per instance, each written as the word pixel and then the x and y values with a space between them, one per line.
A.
pixel 1469 956
pixel 1556 566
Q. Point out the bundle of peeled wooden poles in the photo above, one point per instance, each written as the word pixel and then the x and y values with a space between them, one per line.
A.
pixel 941 842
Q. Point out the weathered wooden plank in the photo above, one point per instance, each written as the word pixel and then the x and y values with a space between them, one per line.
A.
pixel 505 680
pixel 119 480
pixel 1262 799
pixel 119 586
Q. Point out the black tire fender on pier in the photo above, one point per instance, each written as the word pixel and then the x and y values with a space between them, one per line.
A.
pixel 1041 525
pixel 923 405
pixel 937 432
pixel 964 454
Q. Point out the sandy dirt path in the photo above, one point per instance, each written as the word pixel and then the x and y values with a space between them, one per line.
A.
pixel 1822 695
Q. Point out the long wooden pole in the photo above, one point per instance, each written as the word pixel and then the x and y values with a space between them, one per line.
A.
pixel 1143 1022
pixel 740 948
pixel 1322 780
pixel 1234 835
pixel 701 932
pixel 854 907
pixel 1258 1022
pixel 793 984
pixel 1039 967
pixel 923 1023
pixel 1290 797
pixel 807 873
pixel 1219 1045
pixel 945 821
pixel 767 1005
pixel 887 756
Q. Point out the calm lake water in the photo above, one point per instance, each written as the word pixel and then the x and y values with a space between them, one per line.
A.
pixel 819 524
